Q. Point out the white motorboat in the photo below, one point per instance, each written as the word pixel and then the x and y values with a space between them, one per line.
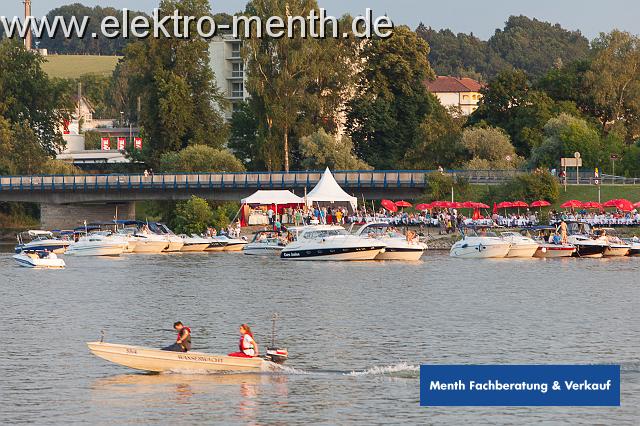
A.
pixel 232 244
pixel 616 247
pixel 97 244
pixel 579 236
pixel 521 246
pixel 635 246
pixel 157 360
pixel 37 240
pixel 39 259
pixel 328 242
pixel 480 245
pixel 549 244
pixel 194 243
pixel 175 242
pixel 150 243
pixel 216 243
pixel 398 246
pixel 265 243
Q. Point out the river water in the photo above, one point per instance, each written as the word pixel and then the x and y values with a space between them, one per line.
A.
pixel 356 333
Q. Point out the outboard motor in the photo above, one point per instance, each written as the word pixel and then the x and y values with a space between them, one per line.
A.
pixel 275 354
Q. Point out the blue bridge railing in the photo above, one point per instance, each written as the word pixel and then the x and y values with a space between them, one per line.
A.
pixel 249 180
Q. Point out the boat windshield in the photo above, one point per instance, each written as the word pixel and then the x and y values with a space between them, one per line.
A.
pixel 471 232
pixel 323 233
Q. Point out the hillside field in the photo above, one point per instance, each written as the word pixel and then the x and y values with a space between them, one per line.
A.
pixel 74 66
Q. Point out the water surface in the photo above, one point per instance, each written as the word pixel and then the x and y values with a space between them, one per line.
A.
pixel 356 332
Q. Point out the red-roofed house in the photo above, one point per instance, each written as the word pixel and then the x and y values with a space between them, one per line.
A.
pixel 461 94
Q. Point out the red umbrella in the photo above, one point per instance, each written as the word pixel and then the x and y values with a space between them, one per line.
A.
pixel 519 204
pixel 540 203
pixel 423 207
pixel 571 204
pixel 389 205
pixel 505 205
pixel 441 204
pixel 592 205
pixel 637 204
pixel 468 205
pixel 481 206
pixel 621 204
pixel 456 205
pixel 403 204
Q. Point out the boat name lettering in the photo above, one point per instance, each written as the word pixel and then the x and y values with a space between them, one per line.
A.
pixel 200 358
pixel 131 351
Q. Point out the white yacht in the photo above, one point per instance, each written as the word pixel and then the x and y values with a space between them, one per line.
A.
pixel 193 243
pixel 232 244
pixel 265 243
pixel 216 243
pixel 480 244
pixel 327 242
pixel 635 246
pixel 616 247
pixel 521 246
pixel 39 259
pixel 37 240
pixel 398 245
pixel 97 244
pixel 175 242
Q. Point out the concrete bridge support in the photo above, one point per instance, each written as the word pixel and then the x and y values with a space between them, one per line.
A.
pixel 69 216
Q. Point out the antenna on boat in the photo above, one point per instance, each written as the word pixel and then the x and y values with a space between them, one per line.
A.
pixel 274 318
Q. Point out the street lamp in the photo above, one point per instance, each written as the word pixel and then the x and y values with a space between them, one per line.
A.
pixel 121 118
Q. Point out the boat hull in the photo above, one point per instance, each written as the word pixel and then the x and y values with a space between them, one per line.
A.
pixel 262 251
pixel 174 246
pixel 109 251
pixel 407 254
pixel 234 247
pixel 194 247
pixel 352 253
pixel 554 251
pixel 616 251
pixel 589 250
pixel 156 360
pixel 480 251
pixel 27 261
pixel 150 247
pixel 522 250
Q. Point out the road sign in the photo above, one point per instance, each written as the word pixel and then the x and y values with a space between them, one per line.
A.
pixel 614 157
pixel 576 154
pixel 596 181
pixel 571 162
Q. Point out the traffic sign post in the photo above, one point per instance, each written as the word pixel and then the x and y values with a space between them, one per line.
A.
pixel 614 157
pixel 596 181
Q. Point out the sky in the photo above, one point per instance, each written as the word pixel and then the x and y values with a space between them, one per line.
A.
pixel 480 17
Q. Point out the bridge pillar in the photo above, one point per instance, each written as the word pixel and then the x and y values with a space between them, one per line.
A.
pixel 69 216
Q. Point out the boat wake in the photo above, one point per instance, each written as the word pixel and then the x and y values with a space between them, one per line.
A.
pixel 402 370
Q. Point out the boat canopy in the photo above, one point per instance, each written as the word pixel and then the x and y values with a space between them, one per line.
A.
pixel 328 190
pixel 267 197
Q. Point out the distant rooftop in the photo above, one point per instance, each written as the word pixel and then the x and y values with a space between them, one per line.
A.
pixel 448 84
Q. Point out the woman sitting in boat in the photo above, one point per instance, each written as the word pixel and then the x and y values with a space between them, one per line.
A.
pixel 248 346
pixel 183 341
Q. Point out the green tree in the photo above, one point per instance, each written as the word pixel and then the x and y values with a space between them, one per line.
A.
pixel 440 185
pixel 614 80
pixel 200 158
pixel 489 148
pixel 565 135
pixel 529 187
pixel 321 150
pixel 223 214
pixel 536 46
pixel 193 216
pixel 392 102
pixel 244 139
pixel 279 71
pixel 29 99
pixel 176 86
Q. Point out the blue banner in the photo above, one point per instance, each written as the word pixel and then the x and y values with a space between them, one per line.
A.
pixel 520 385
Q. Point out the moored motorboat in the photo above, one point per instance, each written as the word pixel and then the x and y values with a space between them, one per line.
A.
pixel 216 243
pixel 635 247
pixel 550 250
pixel 615 246
pixel 521 246
pixel 265 243
pixel 327 242
pixel 194 243
pixel 97 244
pixel 479 245
pixel 549 243
pixel 39 259
pixel 579 236
pixel 37 240
pixel 398 246
pixel 157 360
pixel 232 244
pixel 150 243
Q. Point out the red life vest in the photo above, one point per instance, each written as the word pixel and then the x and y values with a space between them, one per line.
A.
pixel 182 331
pixel 241 344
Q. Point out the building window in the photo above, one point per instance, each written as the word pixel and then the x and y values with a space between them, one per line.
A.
pixel 235 49
pixel 237 90
pixel 237 70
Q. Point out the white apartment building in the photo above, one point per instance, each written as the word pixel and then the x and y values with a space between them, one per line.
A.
pixel 228 66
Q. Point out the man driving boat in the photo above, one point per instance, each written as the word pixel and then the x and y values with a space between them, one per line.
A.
pixel 248 346
pixel 183 341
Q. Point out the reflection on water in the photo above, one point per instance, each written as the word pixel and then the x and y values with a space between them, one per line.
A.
pixel 356 332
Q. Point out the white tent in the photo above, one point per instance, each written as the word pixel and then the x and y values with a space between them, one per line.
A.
pixel 263 197
pixel 328 190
